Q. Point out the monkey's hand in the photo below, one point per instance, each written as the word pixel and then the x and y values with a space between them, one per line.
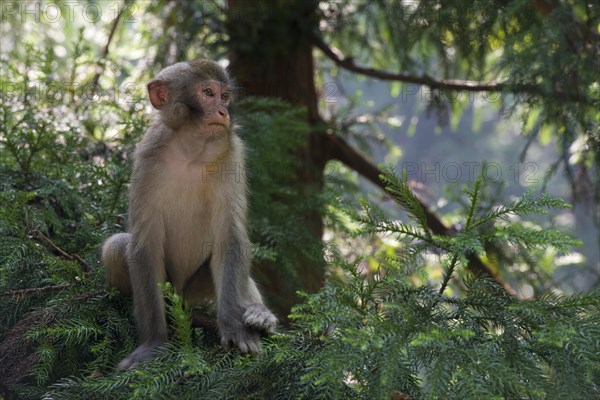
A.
pixel 259 317
pixel 142 353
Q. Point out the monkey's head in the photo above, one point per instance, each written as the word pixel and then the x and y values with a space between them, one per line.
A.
pixel 196 93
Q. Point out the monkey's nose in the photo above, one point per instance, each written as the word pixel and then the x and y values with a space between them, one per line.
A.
pixel 223 113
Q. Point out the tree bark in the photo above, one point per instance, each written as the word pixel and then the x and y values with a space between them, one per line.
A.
pixel 271 55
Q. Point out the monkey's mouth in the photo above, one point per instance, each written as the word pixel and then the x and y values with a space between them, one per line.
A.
pixel 217 128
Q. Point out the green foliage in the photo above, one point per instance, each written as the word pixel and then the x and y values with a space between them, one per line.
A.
pixel 382 334
pixel 367 334
pixel 274 174
pixel 544 52
pixel 461 351
pixel 364 335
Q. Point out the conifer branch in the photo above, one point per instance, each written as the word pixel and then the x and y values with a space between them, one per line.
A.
pixel 33 291
pixel 102 60
pixel 84 265
pixel 448 274
pixel 349 64
pixel 340 150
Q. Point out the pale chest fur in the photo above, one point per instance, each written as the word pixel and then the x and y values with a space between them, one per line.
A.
pixel 190 202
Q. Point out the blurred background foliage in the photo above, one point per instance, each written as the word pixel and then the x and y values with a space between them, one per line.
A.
pixel 434 279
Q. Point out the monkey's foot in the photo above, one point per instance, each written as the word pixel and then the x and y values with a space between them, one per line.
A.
pixel 140 354
pixel 248 340
pixel 259 317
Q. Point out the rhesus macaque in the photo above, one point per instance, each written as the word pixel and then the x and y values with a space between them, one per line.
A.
pixel 187 214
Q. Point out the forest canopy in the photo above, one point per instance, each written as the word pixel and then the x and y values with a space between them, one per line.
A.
pixel 402 263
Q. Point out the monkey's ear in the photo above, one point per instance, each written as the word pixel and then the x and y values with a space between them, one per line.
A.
pixel 158 93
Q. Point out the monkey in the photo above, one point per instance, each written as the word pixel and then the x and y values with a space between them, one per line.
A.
pixel 187 214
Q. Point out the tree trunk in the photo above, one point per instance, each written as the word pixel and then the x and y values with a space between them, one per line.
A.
pixel 271 56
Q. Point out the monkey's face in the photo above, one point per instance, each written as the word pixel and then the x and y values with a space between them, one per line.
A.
pixel 214 99
pixel 193 94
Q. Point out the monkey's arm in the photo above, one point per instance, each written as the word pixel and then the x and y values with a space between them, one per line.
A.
pixel 242 315
pixel 231 259
pixel 241 312
pixel 230 271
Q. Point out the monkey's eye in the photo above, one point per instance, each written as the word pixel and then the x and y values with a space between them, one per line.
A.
pixel 209 92
pixel 225 96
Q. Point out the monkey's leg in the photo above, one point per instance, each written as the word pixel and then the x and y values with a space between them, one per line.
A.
pixel 146 269
pixel 114 259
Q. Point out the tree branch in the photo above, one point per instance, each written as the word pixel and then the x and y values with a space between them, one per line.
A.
pixel 84 266
pixel 33 291
pixel 444 84
pixel 340 150
pixel 102 60
pixel 202 320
